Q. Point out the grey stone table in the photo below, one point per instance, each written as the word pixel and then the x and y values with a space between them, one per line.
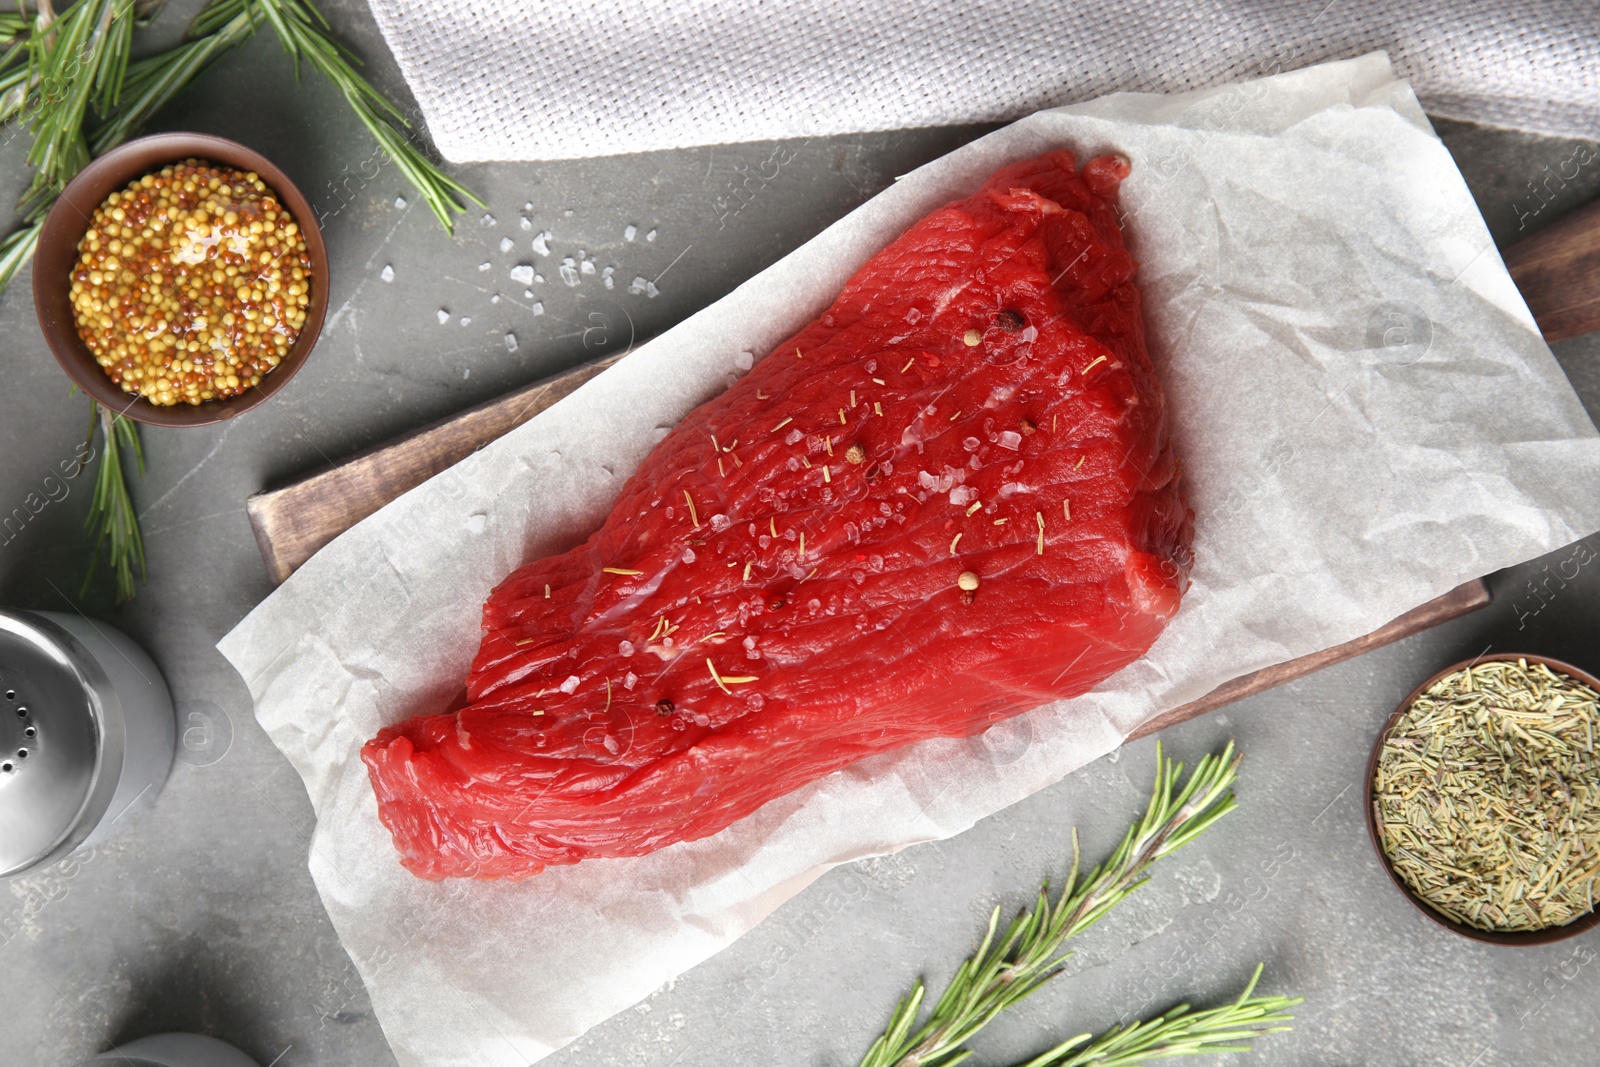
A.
pixel 202 916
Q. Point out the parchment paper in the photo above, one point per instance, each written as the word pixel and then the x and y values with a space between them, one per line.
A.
pixel 1366 417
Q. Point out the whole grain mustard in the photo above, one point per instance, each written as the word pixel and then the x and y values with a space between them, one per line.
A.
pixel 191 284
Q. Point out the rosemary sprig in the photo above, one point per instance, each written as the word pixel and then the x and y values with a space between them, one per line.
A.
pixel 1181 1031
pixel 1004 970
pixel 153 82
pixel 74 60
pixel 303 31
pixel 112 520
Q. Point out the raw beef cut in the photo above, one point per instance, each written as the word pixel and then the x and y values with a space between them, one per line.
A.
pixel 946 501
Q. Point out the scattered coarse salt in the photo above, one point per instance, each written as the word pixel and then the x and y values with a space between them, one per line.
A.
pixel 629 232
pixel 387 273
pixel 571 684
pixel 541 243
pixel 511 342
pixel 645 286
pixel 444 316
pixel 506 244
pixel 485 266
pixel 1009 439
pixel 495 299
pixel 522 273
pixel 743 361
pixel 651 236
pixel 466 320
pixel 400 201
pixel 526 223
pixel 538 309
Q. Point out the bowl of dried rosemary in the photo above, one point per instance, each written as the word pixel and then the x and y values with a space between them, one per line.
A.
pixel 1485 799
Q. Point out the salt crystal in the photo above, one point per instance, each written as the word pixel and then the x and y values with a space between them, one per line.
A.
pixel 971 444
pixel 913 316
pixel 466 372
pixel 743 361
pixel 387 273
pixel 487 220
pixel 569 272
pixel 511 342
pixel 570 685
pixel 688 555
pixel 484 266
pixel 625 648
pixel 522 273
pixel 629 232
pixel 476 523
pixel 643 285
pixel 466 320
pixel 567 214
pixel 444 316
pixel 528 206
pixel 541 243
pixel 793 437
pixel 495 299
pixel 608 281
pixel 1009 439
pixel 506 244
pixel 651 236
pixel 720 522
pixel 961 496
pixel 538 308
pixel 526 223
pixel 528 293
pixel 630 680
pixel 538 279
pixel 586 266
pixel 400 201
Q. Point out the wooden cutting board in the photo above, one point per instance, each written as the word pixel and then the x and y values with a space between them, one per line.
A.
pixel 1557 270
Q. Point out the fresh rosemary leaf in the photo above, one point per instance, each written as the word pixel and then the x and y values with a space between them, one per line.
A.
pixel 303 31
pixel 77 59
pixel 17 248
pixel 112 521
pixel 221 26
pixel 1006 968
pixel 1181 1031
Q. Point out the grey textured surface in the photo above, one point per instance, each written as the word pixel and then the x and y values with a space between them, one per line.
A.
pixel 201 916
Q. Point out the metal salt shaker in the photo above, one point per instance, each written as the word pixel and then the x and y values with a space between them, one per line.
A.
pixel 86 735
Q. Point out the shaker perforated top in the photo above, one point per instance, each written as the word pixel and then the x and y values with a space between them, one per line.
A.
pixel 58 761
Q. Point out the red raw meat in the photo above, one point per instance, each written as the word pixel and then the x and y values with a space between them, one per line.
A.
pixel 779 591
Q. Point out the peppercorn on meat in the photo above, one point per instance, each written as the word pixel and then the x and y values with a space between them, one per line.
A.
pixel 948 500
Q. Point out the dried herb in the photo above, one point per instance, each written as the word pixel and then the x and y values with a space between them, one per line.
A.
pixel 1004 970
pixel 1487 797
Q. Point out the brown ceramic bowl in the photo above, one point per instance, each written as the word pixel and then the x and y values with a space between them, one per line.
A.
pixel 1492 937
pixel 57 254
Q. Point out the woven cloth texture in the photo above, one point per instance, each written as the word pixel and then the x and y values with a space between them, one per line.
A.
pixel 520 79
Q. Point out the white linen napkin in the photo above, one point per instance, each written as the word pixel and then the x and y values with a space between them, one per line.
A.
pixel 564 79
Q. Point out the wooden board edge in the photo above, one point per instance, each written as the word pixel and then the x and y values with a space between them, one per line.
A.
pixel 1462 600
pixel 274 514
